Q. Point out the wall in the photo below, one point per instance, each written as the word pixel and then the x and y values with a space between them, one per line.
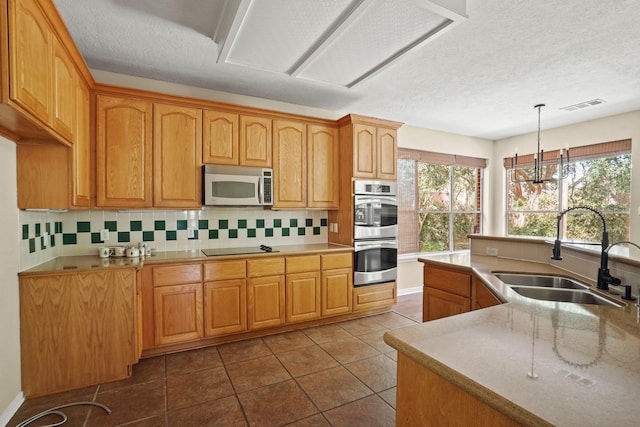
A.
pixel 78 232
pixel 10 388
pixel 613 128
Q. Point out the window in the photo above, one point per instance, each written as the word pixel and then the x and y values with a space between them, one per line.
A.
pixel 438 201
pixel 599 177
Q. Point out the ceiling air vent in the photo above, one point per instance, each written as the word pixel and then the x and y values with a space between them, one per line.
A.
pixel 585 104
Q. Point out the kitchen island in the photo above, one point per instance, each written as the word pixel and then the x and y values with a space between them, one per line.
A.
pixel 525 362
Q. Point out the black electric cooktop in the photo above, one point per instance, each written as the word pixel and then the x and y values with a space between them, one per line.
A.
pixel 238 251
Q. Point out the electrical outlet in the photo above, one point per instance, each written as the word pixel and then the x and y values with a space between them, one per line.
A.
pixel 104 234
pixel 492 251
pixel 191 233
pixel 45 240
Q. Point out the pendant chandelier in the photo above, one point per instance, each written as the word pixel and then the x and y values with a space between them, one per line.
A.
pixel 539 176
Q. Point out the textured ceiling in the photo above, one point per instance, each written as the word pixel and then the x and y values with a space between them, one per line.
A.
pixel 475 72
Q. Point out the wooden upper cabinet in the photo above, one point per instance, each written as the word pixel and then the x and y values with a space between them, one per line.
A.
pixel 387 153
pixel 64 90
pixel 177 154
pixel 255 141
pixel 123 152
pixel 220 138
pixel 80 152
pixel 323 167
pixel 364 151
pixel 290 164
pixel 31 49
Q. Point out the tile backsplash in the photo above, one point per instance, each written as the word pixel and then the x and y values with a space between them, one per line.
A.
pixel 46 235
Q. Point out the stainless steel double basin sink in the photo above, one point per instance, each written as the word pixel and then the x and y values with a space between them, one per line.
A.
pixel 552 288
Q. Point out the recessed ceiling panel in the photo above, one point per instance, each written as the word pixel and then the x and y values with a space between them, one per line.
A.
pixel 380 32
pixel 275 34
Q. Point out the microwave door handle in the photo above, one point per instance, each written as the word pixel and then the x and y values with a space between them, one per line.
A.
pixel 260 191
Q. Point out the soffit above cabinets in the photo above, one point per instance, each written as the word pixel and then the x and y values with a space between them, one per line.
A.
pixel 339 42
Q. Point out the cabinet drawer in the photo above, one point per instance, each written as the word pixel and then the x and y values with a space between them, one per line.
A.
pixel 374 296
pixel 343 260
pixel 177 274
pixel 225 270
pixel 265 267
pixel 448 281
pixel 301 264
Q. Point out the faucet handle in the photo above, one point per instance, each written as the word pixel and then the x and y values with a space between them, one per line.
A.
pixel 627 291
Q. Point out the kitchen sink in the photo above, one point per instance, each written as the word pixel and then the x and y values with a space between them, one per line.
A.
pixel 563 295
pixel 539 281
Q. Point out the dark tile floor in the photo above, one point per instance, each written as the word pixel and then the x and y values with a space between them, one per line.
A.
pixel 342 374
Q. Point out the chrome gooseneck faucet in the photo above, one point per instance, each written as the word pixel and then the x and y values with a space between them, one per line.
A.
pixel 604 278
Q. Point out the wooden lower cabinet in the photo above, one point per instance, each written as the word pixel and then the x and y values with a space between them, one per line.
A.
pixel 424 398
pixel 178 313
pixel 337 291
pixel 77 329
pixel 303 296
pixel 265 302
pixel 374 296
pixel 484 297
pixel 438 304
pixel 225 307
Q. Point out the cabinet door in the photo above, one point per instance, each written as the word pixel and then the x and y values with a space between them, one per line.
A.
pixel 80 153
pixel 42 171
pixel 386 154
pixel 225 307
pixel 323 176
pixel 123 152
pixel 364 146
pixel 220 138
pixel 64 92
pixel 337 290
pixel 30 56
pixel 290 164
pixel 265 302
pixel 255 141
pixel 303 296
pixel 77 329
pixel 483 296
pixel 438 304
pixel 177 154
pixel 178 313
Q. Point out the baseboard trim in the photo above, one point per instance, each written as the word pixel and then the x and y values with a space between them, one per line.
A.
pixel 408 291
pixel 11 410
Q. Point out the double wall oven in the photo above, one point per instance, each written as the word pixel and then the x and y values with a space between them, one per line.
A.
pixel 375 232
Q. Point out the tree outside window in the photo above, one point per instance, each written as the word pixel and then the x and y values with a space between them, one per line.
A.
pixel 602 182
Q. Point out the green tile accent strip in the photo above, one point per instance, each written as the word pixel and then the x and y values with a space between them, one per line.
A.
pixel 32 245
pixel 95 238
pixel 148 236
pixel 182 224
pixel 53 240
pixel 316 231
pixel 293 222
pixel 159 225
pixel 324 222
pixel 285 232
pixel 242 223
pixel 171 235
pixel 37 230
pixel 277 223
pixel 69 239
pixel 301 231
pixel 223 224
pixel 259 223
pixel 111 225
pixel 83 226
pixel 42 244
pixel 233 234
pixel 268 232
pixel 251 232
pixel 203 224
pixel 308 222
pixel 135 225
pixel 25 231
pixel 195 235
pixel 213 234
pixel 124 237
pixel 47 227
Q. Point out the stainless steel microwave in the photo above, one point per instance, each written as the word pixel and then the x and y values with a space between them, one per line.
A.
pixel 237 186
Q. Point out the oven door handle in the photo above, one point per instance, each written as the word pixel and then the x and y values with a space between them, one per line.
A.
pixel 387 200
pixel 391 245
